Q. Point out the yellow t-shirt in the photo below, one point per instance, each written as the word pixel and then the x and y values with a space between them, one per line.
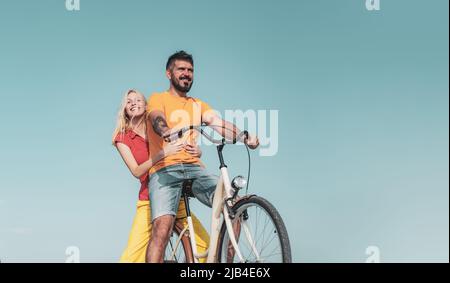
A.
pixel 179 113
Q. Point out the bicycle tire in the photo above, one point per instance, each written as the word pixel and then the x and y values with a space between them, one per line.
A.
pixel 255 201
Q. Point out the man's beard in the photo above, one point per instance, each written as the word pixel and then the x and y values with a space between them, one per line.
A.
pixel 181 88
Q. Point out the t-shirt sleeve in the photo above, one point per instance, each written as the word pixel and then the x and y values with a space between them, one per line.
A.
pixel 155 103
pixel 205 107
pixel 122 138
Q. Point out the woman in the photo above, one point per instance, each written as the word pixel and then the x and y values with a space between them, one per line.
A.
pixel 130 140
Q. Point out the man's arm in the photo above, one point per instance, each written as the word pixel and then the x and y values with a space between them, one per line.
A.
pixel 158 122
pixel 226 129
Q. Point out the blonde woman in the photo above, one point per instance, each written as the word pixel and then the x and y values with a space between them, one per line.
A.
pixel 130 139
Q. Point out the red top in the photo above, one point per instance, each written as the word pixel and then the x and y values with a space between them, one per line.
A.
pixel 139 148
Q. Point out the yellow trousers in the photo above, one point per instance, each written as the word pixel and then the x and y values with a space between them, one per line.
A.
pixel 141 231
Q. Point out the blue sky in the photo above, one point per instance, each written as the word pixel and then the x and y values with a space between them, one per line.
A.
pixel 362 98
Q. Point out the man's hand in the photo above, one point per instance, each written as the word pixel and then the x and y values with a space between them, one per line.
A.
pixel 168 135
pixel 252 142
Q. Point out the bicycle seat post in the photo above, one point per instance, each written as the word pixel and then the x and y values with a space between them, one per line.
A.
pixel 186 193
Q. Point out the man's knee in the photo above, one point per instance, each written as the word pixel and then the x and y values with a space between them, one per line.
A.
pixel 162 227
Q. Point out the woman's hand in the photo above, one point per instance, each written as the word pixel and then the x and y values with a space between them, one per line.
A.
pixel 194 150
pixel 172 148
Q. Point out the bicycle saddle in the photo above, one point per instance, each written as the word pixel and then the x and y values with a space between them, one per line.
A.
pixel 186 188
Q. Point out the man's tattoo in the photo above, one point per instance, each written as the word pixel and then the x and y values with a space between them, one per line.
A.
pixel 160 125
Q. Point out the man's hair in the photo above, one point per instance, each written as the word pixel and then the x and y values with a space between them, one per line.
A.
pixel 179 55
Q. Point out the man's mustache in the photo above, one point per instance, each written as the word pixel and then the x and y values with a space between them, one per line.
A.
pixel 185 78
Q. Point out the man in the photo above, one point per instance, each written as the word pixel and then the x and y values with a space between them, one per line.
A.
pixel 170 111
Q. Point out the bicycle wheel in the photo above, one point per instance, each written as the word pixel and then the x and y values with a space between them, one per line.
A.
pixel 178 250
pixel 260 233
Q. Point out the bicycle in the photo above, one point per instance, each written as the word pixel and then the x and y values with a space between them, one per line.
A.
pixel 234 237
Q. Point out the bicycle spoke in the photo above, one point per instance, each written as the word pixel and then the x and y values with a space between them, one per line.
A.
pixel 265 245
pixel 257 217
pixel 173 251
pixel 259 239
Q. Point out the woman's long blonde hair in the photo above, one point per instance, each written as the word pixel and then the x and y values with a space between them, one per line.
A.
pixel 123 121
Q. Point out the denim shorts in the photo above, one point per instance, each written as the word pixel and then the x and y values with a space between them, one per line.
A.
pixel 165 187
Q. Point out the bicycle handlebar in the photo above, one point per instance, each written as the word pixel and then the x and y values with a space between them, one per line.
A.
pixel 180 133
